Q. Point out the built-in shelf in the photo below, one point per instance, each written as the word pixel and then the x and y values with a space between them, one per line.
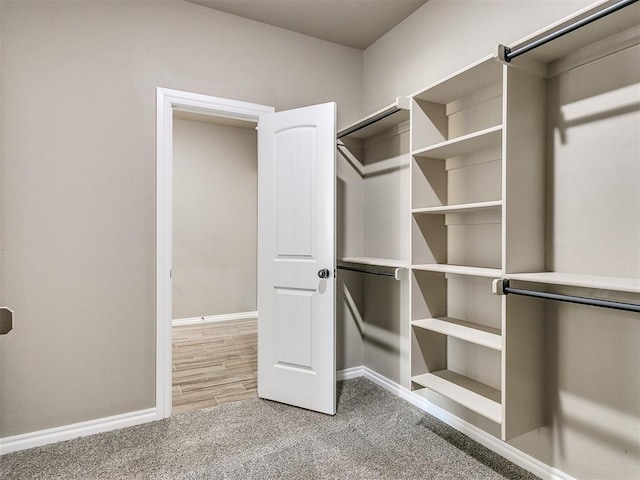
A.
pixel 617 284
pixel 460 270
pixel 483 73
pixel 465 144
pixel 379 121
pixel 469 393
pixel 470 332
pixel 377 262
pixel 462 208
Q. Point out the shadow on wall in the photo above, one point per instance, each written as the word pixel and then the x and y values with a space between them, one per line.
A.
pixel 592 380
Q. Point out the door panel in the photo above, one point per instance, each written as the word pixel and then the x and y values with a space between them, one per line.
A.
pixel 296 239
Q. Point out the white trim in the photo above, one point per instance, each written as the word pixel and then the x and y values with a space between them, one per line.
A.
pixel 168 100
pixel 75 430
pixel 511 453
pixel 227 317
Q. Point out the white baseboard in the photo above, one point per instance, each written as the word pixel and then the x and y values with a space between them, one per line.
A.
pixel 511 453
pixel 214 318
pixel 82 429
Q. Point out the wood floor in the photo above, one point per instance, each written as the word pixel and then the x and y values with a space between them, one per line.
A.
pixel 214 363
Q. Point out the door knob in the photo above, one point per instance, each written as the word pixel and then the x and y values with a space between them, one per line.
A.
pixel 324 273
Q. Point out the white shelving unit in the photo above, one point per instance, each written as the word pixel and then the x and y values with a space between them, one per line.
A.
pixel 463 156
pixel 486 186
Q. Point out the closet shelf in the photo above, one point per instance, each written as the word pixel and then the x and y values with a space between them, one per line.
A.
pixel 462 208
pixel 481 140
pixel 476 76
pixel 377 262
pixel 460 270
pixel 379 121
pixel 617 284
pixel 468 331
pixel 469 393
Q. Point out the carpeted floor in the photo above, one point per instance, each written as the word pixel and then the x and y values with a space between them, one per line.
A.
pixel 375 435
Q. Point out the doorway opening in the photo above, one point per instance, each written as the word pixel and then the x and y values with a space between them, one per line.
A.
pixel 214 211
pixel 206 250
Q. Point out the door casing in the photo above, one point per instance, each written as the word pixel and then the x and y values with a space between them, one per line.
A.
pixel 169 100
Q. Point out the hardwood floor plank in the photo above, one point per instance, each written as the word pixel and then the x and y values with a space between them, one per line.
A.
pixel 214 363
pixel 234 397
pixel 208 393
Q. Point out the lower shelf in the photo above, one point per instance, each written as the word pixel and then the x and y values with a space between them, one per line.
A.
pixel 469 393
pixel 470 332
pixel 377 262
pixel 460 270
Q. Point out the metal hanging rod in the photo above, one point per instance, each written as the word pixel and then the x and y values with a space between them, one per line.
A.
pixel 361 270
pixel 369 121
pixel 506 54
pixel 594 302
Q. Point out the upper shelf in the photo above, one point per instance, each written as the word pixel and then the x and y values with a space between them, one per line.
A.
pixel 462 208
pixel 617 284
pixel 460 270
pixel 483 73
pixel 379 121
pixel 625 18
pixel 483 139
pixel 376 262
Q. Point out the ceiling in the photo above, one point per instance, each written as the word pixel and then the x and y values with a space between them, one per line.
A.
pixel 354 23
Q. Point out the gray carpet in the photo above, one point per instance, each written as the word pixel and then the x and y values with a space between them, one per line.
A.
pixel 374 435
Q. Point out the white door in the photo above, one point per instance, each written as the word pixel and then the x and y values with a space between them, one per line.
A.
pixel 296 248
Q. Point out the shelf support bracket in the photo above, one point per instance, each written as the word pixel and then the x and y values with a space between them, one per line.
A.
pixel 499 285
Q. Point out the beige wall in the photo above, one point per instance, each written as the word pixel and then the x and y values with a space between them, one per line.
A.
pixel 446 35
pixel 593 389
pixel 78 91
pixel 215 210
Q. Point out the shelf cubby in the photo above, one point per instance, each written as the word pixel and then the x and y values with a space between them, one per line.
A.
pixel 467 239
pixel 469 393
pixel 450 116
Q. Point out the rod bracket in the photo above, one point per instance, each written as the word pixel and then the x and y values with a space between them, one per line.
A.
pixel 499 286
pixel 503 53
pixel 400 273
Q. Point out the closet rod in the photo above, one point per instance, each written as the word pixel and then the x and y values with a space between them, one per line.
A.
pixel 354 269
pixel 506 54
pixel 594 302
pixel 369 121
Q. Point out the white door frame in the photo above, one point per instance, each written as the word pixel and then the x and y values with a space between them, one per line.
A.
pixel 169 100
